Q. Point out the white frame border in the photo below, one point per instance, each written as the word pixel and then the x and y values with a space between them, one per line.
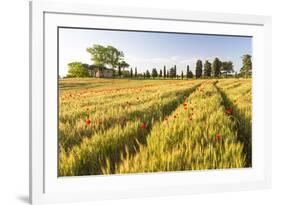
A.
pixel 37 10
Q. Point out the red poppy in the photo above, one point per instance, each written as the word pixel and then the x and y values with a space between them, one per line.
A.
pixel 184 104
pixel 143 126
pixel 175 116
pixel 229 111
pixel 88 122
pixel 218 137
pixel 184 98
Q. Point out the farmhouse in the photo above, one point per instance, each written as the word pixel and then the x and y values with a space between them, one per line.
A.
pixel 104 73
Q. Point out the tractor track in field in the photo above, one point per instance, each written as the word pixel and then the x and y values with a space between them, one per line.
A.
pixel 143 139
pixel 243 135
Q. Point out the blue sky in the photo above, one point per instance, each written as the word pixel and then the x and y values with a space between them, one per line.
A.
pixel 146 50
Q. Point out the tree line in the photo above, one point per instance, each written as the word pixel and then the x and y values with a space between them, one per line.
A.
pixel 109 57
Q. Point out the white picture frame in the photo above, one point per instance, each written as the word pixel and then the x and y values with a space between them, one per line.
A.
pixel 46 187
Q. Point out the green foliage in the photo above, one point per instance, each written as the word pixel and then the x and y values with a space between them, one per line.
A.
pixel 131 72
pixel 126 73
pixel 77 69
pixel 189 74
pixel 147 74
pixel 119 71
pixel 122 64
pixel 216 67
pixel 173 72
pixel 187 71
pixel 246 69
pixel 136 72
pixel 198 69
pixel 227 67
pixel 107 56
pixel 165 72
pixel 207 69
pixel 99 54
pixel 160 73
pixel 154 73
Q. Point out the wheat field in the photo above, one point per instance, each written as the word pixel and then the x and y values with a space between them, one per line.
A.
pixel 117 126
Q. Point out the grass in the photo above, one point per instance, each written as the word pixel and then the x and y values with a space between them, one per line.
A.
pixel 153 125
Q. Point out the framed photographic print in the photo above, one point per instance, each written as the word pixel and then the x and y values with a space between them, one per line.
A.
pixel 129 102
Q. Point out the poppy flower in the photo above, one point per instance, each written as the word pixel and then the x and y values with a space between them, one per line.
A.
pixel 184 98
pixel 228 111
pixel 218 137
pixel 143 126
pixel 190 118
pixel 88 122
pixel 184 104
pixel 185 108
pixel 175 116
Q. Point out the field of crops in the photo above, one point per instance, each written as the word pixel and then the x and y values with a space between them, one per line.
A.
pixel 116 126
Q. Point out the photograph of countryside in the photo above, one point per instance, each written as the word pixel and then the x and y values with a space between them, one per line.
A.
pixel 144 102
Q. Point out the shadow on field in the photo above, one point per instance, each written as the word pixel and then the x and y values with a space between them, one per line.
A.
pixel 244 127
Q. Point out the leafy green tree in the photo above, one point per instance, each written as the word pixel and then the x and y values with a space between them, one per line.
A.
pixel 187 71
pixel 227 67
pixel 198 69
pixel 190 74
pixel 122 65
pixel 246 69
pixel 182 75
pixel 126 73
pixel 113 56
pixel 165 72
pixel 168 74
pixel 160 73
pixel 173 72
pixel 216 67
pixel 91 69
pixel 98 54
pixel 147 74
pixel 154 73
pixel 131 72
pixel 119 71
pixel 136 72
pixel 106 56
pixel 77 70
pixel 207 68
